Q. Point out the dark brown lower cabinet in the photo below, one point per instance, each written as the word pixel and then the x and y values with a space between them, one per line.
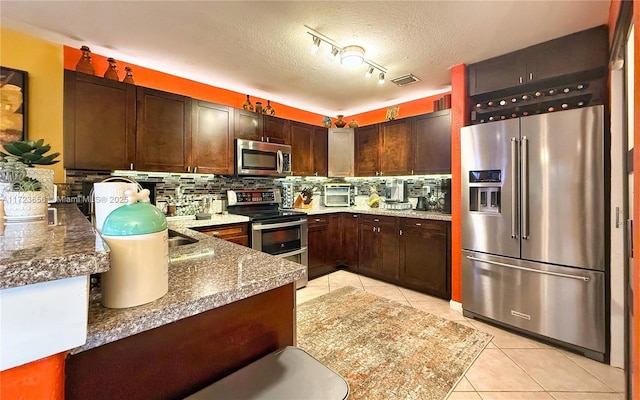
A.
pixel 324 243
pixel 424 256
pixel 379 247
pixel 180 358
pixel 349 248
pixel 235 233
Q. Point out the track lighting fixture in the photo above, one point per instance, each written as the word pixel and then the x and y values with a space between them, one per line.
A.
pixel 316 45
pixel 369 72
pixel 334 53
pixel 351 55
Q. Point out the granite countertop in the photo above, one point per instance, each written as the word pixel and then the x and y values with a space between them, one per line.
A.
pixel 378 211
pixel 35 252
pixel 202 276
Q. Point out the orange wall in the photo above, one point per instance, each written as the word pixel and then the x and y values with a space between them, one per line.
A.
pixel 174 84
pixel 459 118
pixel 42 379
pixel 408 109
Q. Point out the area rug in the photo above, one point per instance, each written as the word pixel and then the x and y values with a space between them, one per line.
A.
pixel 384 349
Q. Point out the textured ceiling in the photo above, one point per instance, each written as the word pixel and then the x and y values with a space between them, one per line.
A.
pixel 262 48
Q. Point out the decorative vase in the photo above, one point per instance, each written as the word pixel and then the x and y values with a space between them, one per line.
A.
pixel 353 124
pixel 45 177
pixel 25 205
pixel 340 123
pixel 128 78
pixel 247 104
pixel 112 70
pixel 258 107
pixel 84 64
pixel 268 109
pixel 326 122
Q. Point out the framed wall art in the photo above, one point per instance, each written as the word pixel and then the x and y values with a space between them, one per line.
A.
pixel 13 105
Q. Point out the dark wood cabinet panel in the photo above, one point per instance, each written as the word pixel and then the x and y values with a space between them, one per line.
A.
pixel 582 55
pixel 301 138
pixel 497 73
pixel 395 147
pixel 99 122
pixel 425 263
pixel 212 142
pixel 349 247
pixel 319 148
pixel 432 143
pixel 367 150
pixel 379 250
pixel 235 233
pixel 324 244
pixel 163 132
pixel 247 125
pixel 276 130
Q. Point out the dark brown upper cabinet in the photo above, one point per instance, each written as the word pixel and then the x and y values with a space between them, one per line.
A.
pixel 212 141
pixel 163 133
pixel 367 150
pixel 582 55
pixel 99 123
pixel 431 136
pixel 309 149
pixel 395 147
pixel 276 130
pixel 247 125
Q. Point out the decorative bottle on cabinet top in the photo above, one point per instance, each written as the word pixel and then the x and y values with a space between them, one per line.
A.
pixel 340 123
pixel 128 78
pixel 112 70
pixel 84 64
pixel 268 109
pixel 247 104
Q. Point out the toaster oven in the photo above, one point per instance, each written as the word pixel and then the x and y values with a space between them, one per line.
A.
pixel 337 195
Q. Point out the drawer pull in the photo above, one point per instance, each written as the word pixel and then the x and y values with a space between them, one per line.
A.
pixel 215 233
pixel 376 220
pixel 317 219
pixel 418 224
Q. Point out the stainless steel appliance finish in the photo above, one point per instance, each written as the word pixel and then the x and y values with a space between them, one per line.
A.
pixel 282 233
pixel 532 196
pixel 262 158
pixel 341 156
pixel 337 195
pixel 396 191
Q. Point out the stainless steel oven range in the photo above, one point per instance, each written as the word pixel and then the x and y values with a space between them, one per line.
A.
pixel 282 233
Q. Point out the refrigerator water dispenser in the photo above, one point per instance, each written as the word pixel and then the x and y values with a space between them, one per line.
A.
pixel 484 191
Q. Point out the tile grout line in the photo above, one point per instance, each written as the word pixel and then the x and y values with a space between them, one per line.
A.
pixel 523 370
pixel 589 372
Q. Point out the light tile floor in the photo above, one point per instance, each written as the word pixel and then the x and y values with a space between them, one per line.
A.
pixel 511 367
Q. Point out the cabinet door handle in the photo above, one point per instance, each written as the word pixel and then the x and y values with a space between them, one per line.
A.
pixel 530 76
pixel 131 166
pixel 520 79
pixel 267 139
pixel 355 216
pixel 376 220
pixel 195 169
pixel 418 224
pixel 317 219
pixel 374 228
pixel 400 232
pixel 378 229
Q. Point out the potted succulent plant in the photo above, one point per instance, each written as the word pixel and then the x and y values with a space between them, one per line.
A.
pixel 23 196
pixel 31 153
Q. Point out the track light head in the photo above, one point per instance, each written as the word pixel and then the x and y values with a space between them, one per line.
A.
pixel 381 78
pixel 316 45
pixel 334 53
pixel 369 72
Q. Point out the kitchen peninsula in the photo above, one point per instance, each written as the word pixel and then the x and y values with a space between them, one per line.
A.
pixel 227 305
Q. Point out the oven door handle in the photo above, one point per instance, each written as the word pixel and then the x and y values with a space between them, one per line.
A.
pixel 301 250
pixel 259 227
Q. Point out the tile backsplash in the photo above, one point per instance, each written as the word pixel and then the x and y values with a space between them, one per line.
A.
pixel 194 186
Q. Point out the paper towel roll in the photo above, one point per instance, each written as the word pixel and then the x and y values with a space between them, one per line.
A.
pixel 107 197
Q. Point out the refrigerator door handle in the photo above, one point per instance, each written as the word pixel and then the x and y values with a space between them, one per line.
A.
pixel 514 188
pixel 580 278
pixel 525 187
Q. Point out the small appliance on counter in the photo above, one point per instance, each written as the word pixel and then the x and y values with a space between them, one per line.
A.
pixel 337 195
pixel 287 195
pixel 137 235
pixel 396 191
pixel 422 204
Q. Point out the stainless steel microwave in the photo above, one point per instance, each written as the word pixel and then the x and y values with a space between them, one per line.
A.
pixel 262 158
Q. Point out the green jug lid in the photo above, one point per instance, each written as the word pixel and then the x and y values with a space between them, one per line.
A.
pixel 134 219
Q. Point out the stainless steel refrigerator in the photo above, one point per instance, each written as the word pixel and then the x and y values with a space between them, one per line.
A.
pixel 533 226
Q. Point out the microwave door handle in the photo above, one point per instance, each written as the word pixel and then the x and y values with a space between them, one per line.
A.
pixel 280 161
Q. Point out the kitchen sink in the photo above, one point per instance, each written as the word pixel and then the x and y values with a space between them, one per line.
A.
pixel 178 239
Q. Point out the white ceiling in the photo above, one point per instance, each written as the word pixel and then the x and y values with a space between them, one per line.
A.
pixel 261 48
